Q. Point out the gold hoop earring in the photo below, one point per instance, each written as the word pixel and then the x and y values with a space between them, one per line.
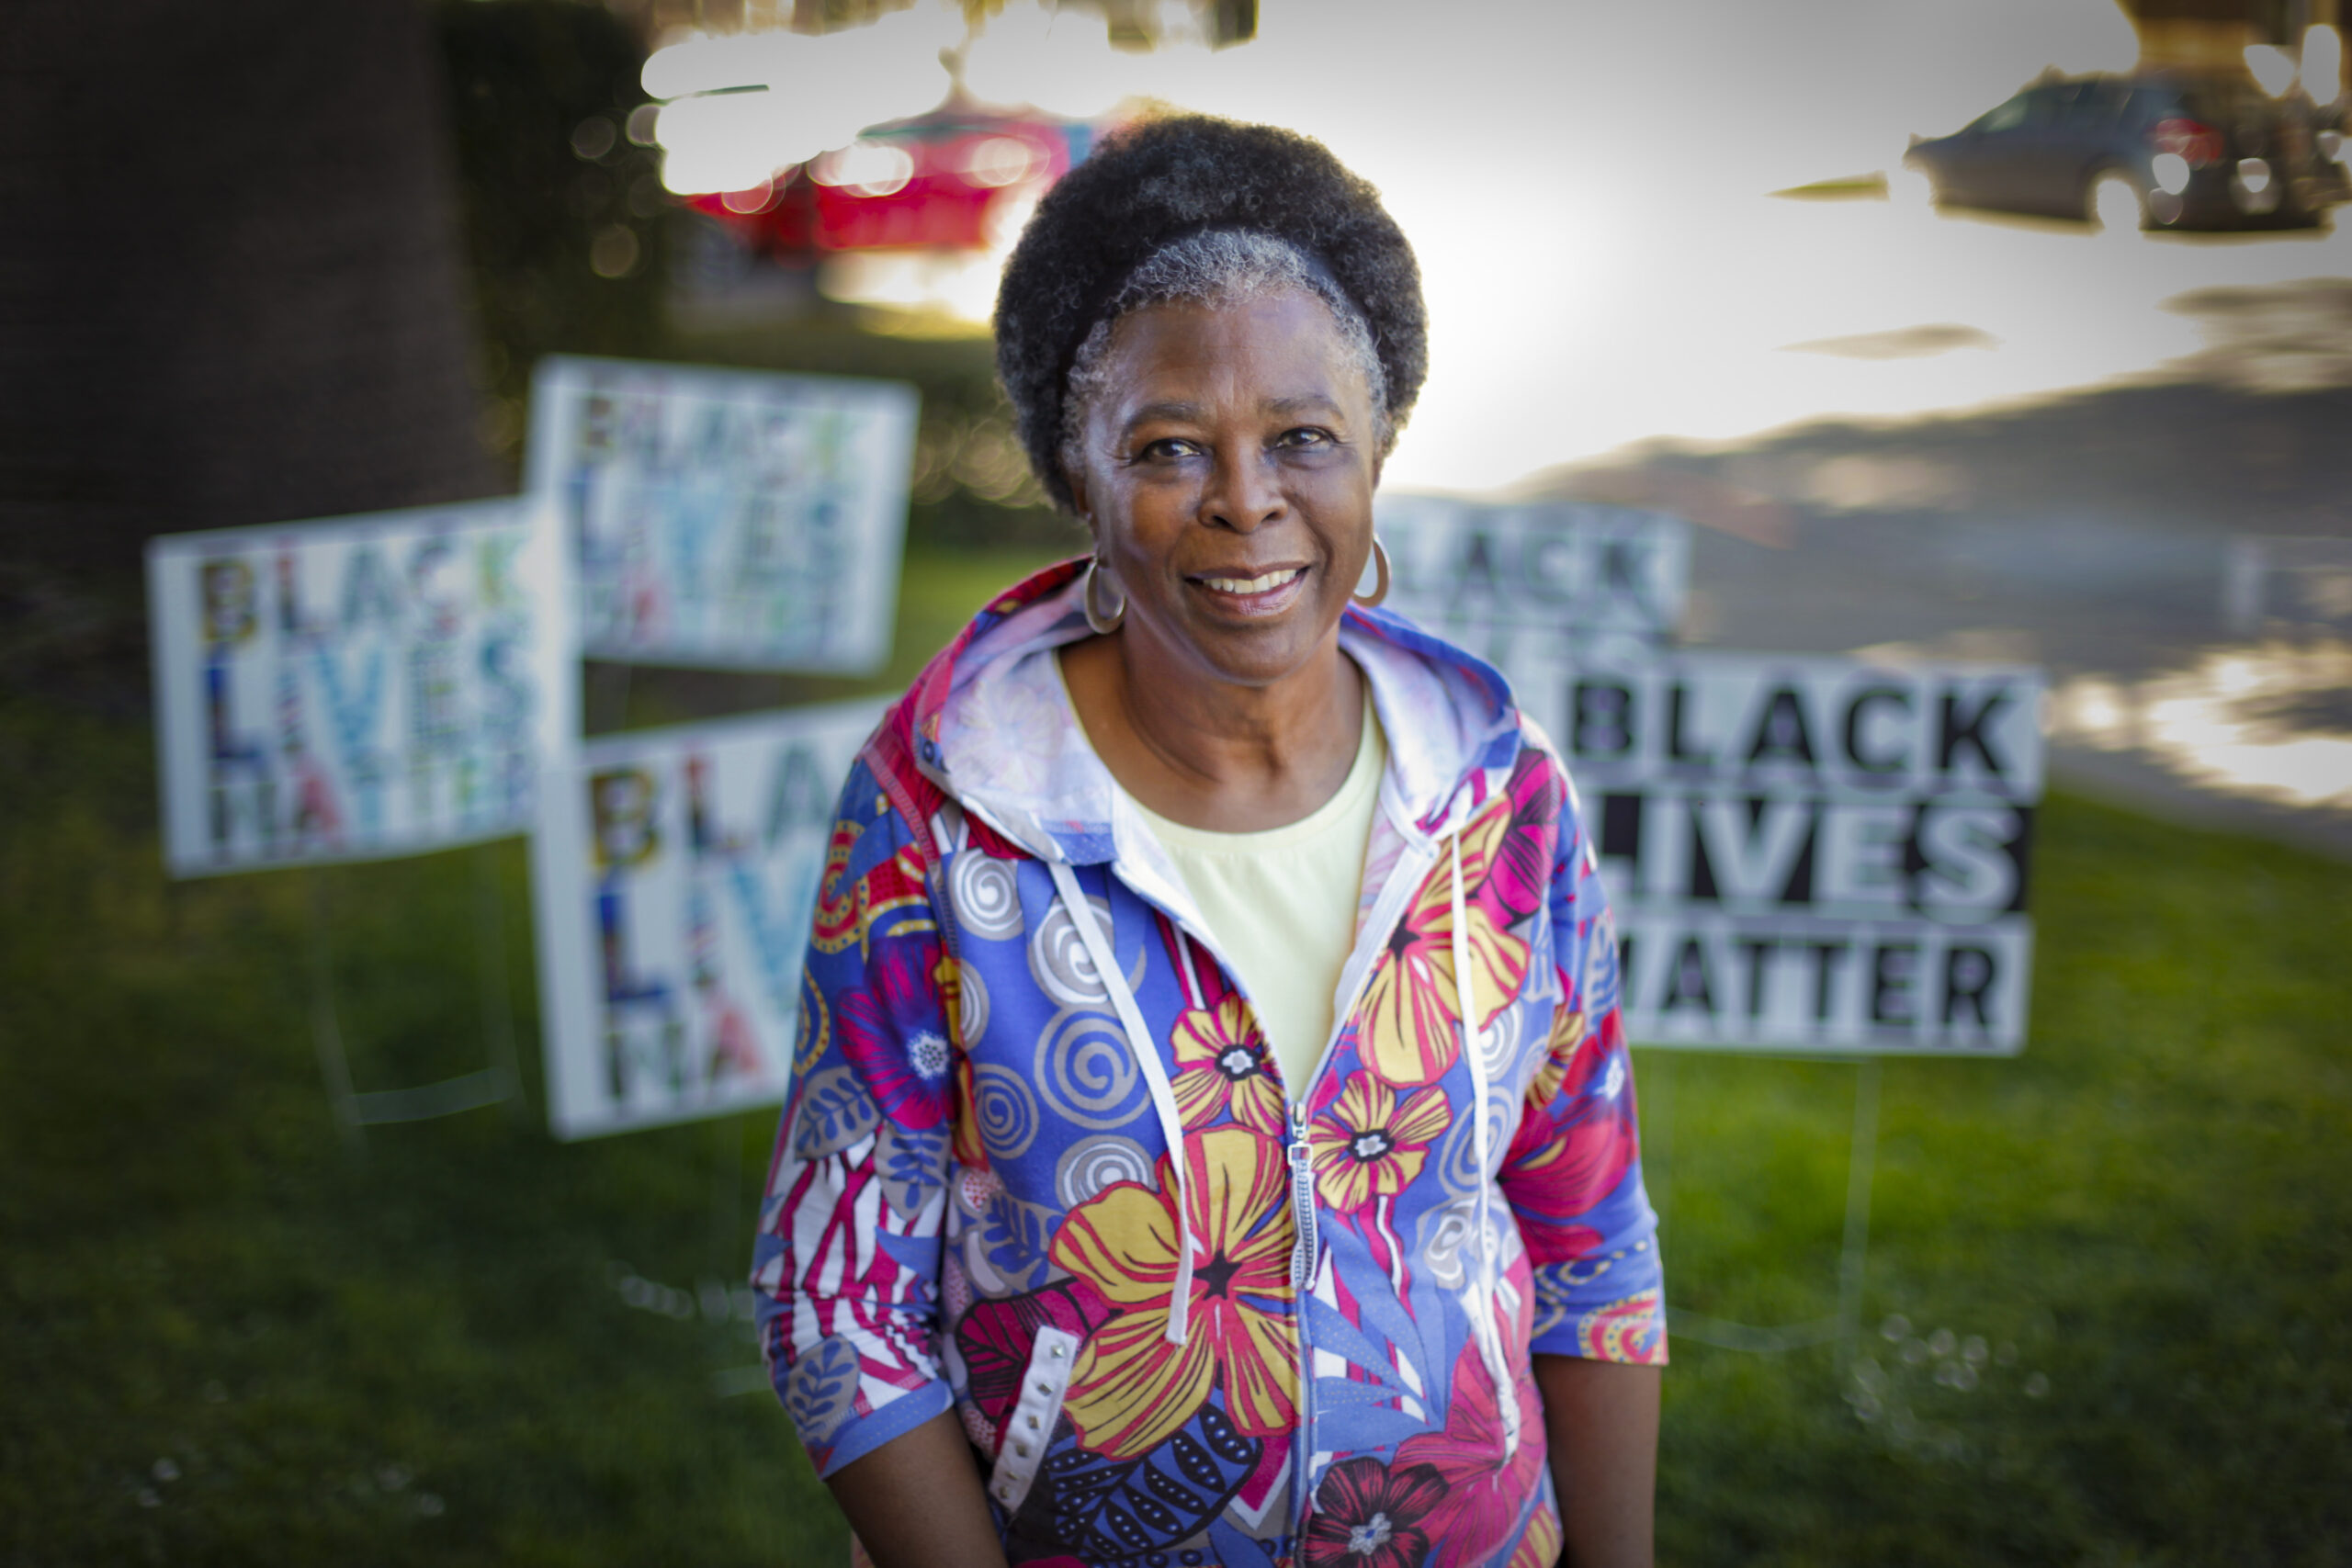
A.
pixel 1380 588
pixel 1101 625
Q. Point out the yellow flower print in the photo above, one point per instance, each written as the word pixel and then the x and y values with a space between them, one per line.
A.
pixel 1221 1065
pixel 1410 1017
pixel 1132 1390
pixel 1367 1146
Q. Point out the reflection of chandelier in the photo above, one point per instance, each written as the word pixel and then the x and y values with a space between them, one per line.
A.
pixel 741 111
pixel 956 178
pixel 762 128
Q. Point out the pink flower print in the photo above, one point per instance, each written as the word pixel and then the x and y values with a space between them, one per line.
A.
pixel 1518 867
pixel 1484 1492
pixel 1570 1170
pixel 892 1033
pixel 996 1338
pixel 1368 1515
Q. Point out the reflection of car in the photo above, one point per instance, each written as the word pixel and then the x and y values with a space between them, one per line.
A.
pixel 2166 149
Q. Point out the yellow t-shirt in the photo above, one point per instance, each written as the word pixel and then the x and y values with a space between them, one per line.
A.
pixel 1282 904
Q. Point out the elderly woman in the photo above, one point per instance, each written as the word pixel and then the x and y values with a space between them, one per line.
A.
pixel 1212 1139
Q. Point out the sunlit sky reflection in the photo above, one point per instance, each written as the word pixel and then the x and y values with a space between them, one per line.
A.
pixel 1587 191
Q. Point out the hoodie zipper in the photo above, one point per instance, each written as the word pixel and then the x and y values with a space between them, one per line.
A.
pixel 1305 1251
pixel 1404 879
pixel 1304 1257
pixel 1412 866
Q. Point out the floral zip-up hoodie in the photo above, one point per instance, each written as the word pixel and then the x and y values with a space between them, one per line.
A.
pixel 1038 1165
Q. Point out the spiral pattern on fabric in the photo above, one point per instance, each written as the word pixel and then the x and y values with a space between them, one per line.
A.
pixel 971 1004
pixel 1059 962
pixel 986 895
pixel 1004 1110
pixel 815 1028
pixel 1086 1071
pixel 1092 1164
pixel 1445 1242
pixel 1458 1168
pixel 1499 1042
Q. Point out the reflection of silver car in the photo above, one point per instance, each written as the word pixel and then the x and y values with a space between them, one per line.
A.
pixel 2164 149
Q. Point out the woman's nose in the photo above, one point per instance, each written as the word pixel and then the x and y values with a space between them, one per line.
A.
pixel 1244 492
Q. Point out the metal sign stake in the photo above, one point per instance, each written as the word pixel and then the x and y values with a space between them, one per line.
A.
pixel 326 1030
pixel 355 1110
pixel 1861 1165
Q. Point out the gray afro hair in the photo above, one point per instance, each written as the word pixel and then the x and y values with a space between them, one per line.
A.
pixel 1221 267
pixel 1171 208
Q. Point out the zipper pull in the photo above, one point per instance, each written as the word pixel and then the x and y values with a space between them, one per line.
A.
pixel 1305 1251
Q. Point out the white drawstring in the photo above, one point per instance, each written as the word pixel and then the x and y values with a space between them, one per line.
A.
pixel 1485 1300
pixel 1155 1073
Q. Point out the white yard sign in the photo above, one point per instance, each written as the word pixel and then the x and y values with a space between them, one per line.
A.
pixel 675 873
pixel 1810 854
pixel 1522 586
pixel 355 688
pixel 725 517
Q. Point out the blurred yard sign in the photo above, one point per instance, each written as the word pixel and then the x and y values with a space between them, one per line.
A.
pixel 1520 586
pixel 1811 854
pixel 355 688
pixel 725 517
pixel 674 874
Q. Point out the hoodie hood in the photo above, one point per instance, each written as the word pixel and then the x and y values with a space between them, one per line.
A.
pixel 989 721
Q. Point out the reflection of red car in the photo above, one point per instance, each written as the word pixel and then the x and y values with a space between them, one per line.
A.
pixel 935 182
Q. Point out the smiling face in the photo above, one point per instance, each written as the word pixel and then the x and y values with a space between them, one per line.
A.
pixel 1226 464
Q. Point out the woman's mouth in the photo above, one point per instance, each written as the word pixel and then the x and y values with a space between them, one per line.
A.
pixel 1264 594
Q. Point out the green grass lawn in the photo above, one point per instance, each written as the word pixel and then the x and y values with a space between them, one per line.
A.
pixel 227 1337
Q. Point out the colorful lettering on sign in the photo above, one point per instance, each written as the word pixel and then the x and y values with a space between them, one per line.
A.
pixel 361 687
pixel 675 916
pixel 727 517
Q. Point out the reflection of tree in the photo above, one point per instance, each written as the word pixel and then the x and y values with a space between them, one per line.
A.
pixel 2195 450
pixel 557 196
pixel 563 213
pixel 231 293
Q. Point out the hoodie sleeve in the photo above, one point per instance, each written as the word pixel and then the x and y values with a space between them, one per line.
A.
pixel 846 1260
pixel 1572 1176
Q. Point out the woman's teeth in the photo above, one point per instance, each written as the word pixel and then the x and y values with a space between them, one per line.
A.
pixel 1253 584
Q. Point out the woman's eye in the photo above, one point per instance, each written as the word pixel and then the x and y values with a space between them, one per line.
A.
pixel 1304 435
pixel 1166 447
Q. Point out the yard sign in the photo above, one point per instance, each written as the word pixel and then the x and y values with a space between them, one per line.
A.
pixel 355 688
pixel 1810 854
pixel 1522 586
pixel 675 873
pixel 726 518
